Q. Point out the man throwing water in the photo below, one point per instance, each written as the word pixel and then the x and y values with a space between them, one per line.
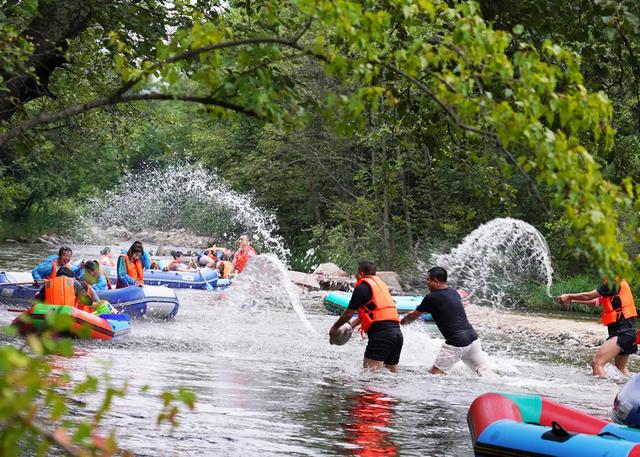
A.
pixel 378 315
pixel 447 310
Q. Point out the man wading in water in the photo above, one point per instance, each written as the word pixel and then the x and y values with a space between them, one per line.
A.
pixel 447 310
pixel 619 315
pixel 378 316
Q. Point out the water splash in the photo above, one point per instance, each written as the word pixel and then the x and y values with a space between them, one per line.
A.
pixel 263 286
pixel 186 197
pixel 496 259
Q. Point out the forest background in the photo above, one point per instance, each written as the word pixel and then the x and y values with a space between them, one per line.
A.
pixel 351 153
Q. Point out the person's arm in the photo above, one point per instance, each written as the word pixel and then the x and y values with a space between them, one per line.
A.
pixel 593 302
pixel 423 307
pixel 146 260
pixel 123 276
pixel 566 299
pixel 410 317
pixel 346 317
pixel 42 271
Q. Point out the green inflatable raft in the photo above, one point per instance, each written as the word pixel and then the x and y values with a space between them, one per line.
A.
pixel 337 302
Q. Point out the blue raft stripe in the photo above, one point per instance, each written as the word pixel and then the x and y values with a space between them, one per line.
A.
pixel 506 437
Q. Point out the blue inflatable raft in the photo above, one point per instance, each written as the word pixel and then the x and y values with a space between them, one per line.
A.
pixel 136 301
pixel 192 279
pixel 337 302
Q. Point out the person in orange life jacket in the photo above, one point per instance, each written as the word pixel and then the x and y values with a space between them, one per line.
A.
pixel 49 268
pixel 619 315
pixel 106 258
pixel 244 253
pixel 130 268
pixel 176 264
pixel 447 310
pixel 64 289
pixel 378 315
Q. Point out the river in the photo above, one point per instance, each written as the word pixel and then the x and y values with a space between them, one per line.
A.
pixel 267 384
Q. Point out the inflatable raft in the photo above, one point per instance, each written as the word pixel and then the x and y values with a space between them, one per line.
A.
pixel 337 302
pixel 136 301
pixel 503 424
pixel 194 279
pixel 81 324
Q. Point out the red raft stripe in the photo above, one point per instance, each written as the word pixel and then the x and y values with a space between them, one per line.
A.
pixel 570 419
pixel 488 408
pixel 635 451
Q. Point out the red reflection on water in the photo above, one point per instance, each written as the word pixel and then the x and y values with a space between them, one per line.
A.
pixel 371 411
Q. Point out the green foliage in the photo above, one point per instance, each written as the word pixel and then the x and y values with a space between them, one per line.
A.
pixel 534 296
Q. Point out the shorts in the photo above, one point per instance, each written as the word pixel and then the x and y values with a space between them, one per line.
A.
pixel 626 341
pixel 473 356
pixel 385 345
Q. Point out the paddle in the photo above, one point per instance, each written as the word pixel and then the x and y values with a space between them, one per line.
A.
pixel 17 310
pixel 206 283
pixel 23 283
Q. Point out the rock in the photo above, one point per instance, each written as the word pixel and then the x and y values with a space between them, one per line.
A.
pixel 330 269
pixel 335 283
pixel 162 251
pixel 9 240
pixel 43 240
pixel 304 279
pixel 391 279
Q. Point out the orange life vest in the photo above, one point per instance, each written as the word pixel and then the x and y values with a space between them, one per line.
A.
pixel 627 307
pixel 83 307
pixel 242 258
pixel 226 268
pixel 381 307
pixel 105 260
pixel 134 268
pixel 60 291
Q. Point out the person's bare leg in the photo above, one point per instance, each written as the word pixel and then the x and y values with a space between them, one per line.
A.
pixel 392 368
pixel 607 352
pixel 436 370
pixel 372 365
pixel 621 364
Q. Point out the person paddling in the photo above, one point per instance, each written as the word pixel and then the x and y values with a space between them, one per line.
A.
pixel 619 315
pixel 176 264
pixel 447 310
pixel 378 315
pixel 130 267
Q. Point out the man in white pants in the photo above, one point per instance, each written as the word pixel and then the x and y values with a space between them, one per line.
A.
pixel 461 340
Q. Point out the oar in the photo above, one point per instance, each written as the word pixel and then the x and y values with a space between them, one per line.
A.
pixel 206 283
pixel 23 283
pixel 17 310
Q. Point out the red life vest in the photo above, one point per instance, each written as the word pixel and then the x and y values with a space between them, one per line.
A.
pixel 105 260
pixel 242 257
pixel 626 308
pixel 381 307
pixel 60 291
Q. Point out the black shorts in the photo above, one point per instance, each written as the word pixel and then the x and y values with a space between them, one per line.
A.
pixel 385 345
pixel 625 331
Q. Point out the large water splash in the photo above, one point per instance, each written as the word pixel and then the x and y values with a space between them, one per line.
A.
pixel 263 286
pixel 186 197
pixel 497 258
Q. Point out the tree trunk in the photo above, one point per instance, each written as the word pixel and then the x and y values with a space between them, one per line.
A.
pixel 57 22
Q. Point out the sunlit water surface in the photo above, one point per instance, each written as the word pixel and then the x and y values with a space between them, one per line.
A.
pixel 267 383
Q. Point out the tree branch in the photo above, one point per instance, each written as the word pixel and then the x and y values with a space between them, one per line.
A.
pixel 47 118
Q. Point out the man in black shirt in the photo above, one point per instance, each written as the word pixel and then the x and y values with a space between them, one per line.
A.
pixel 378 315
pixel 460 339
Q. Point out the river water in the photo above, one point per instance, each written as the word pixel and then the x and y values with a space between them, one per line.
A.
pixel 267 383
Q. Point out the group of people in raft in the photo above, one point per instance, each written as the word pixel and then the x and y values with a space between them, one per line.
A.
pixel 378 317
pixel 75 285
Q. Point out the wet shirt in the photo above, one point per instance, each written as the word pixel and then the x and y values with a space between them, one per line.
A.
pixel 363 295
pixel 447 310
